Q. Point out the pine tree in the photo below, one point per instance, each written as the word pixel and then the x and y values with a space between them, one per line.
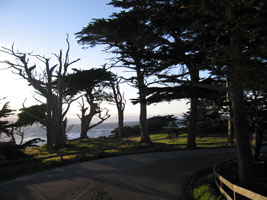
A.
pixel 128 36
pixel 90 84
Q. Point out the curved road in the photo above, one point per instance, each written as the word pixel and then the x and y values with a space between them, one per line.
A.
pixel 143 176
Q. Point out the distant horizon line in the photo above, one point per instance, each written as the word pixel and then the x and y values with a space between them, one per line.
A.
pixel 112 119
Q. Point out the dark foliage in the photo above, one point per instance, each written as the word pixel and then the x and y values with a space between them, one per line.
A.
pixel 91 84
pixel 33 114
pixel 10 151
pixel 31 143
pixel 211 118
pixel 13 151
pixel 156 124
pixel 5 125
pixel 127 130
pixel 159 124
pixel 87 80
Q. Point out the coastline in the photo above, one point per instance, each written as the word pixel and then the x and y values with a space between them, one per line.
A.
pixel 102 130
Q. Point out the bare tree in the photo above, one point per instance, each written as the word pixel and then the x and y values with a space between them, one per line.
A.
pixel 49 82
pixel 119 100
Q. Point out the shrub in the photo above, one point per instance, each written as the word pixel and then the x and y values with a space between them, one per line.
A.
pixel 10 150
pixel 204 193
pixel 127 131
pixel 156 124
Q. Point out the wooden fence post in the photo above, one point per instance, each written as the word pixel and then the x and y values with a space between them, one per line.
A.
pixel 234 195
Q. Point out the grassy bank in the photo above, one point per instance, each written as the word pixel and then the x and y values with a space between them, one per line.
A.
pixel 38 159
pixel 201 186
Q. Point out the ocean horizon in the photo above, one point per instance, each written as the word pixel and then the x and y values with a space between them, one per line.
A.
pixel 73 131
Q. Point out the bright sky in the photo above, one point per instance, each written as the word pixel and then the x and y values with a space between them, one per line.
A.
pixel 40 26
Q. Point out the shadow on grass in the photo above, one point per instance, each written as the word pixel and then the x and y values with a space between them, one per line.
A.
pixel 85 150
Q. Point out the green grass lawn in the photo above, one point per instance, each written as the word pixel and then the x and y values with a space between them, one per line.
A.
pixel 94 146
pixel 182 139
pixel 94 149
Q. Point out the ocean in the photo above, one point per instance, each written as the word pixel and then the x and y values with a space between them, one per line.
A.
pixel 102 130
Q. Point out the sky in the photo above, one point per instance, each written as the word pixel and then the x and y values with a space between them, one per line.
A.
pixel 40 26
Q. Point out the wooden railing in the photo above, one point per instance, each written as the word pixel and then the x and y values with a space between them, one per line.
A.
pixel 220 181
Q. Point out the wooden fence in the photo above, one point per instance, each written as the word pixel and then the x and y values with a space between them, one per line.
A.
pixel 220 181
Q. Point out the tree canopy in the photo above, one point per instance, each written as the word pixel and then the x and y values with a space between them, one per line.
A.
pixel 33 114
pixel 5 125
pixel 225 39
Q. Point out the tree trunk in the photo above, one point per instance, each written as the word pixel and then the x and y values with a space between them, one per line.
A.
pixel 86 121
pixel 230 133
pixel 58 123
pixel 244 155
pixel 83 129
pixel 256 142
pixel 143 124
pixel 191 137
pixel 58 131
pixel 143 108
pixel 12 134
pixel 120 103
pixel 56 126
pixel 121 119
pixel 49 125
pixel 49 134
pixel 59 135
pixel 85 124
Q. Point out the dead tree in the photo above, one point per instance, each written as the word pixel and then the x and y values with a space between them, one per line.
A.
pixel 119 100
pixel 48 82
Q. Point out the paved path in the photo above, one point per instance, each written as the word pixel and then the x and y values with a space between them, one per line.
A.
pixel 150 176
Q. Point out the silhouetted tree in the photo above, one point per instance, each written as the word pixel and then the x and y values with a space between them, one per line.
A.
pixel 177 48
pixel 132 41
pixel 5 125
pixel 91 84
pixel 257 114
pixel 27 117
pixel 235 55
pixel 50 84
pixel 230 35
pixel 10 129
pixel 30 115
pixel 12 149
pixel 119 100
